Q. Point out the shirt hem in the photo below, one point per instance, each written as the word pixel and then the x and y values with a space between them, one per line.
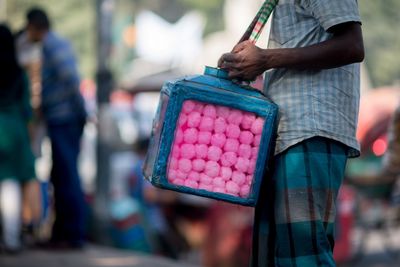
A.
pixel 353 152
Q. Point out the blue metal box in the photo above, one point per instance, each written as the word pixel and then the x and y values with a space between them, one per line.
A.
pixel 215 88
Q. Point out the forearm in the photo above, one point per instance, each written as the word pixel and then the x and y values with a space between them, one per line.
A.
pixel 324 55
pixel 343 49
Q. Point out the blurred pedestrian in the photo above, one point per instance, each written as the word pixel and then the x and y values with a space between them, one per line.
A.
pixel 310 75
pixel 63 110
pixel 152 201
pixel 16 158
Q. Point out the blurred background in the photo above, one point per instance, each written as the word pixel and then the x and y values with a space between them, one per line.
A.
pixel 126 50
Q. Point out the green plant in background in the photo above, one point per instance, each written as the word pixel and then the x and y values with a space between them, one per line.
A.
pixel 382 40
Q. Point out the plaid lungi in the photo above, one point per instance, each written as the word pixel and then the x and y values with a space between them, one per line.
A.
pixel 294 217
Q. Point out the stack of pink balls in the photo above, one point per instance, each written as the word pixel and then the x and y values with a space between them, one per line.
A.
pixel 215 148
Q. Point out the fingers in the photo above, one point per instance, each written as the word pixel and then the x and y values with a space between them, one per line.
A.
pixel 228 60
pixel 241 46
pixel 220 62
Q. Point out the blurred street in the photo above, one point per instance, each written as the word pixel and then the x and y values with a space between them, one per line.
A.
pixel 98 256
pixel 92 256
pixel 86 135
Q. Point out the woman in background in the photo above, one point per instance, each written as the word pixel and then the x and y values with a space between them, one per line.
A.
pixel 16 158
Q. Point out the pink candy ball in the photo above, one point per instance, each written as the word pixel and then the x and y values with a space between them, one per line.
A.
pixel 233 131
pixel 231 145
pixel 252 166
pixel 218 182
pixel 173 163
pixel 194 176
pixel 194 119
pixel 228 159
pixel 214 153
pixel 188 106
pixel 244 151
pixel 181 175
pixel 176 151
pixel 244 191
pixel 182 119
pixel 171 175
pixel 210 111
pixel 247 120
pixel 257 126
pixel 239 177
pixel 225 173
pixel 178 182
pixel 212 169
pixel 191 184
pixel 199 107
pixel 254 152
pixel 207 187
pixel 204 138
pixel 235 117
pixel 218 139
pixel 188 151
pixel 206 124
pixel 219 190
pixel 185 165
pixel 190 135
pixel 220 125
pixel 178 136
pixel 249 179
pixel 246 137
pixel 223 112
pixel 242 164
pixel 201 151
pixel 232 188
pixel 205 179
pixel 198 165
pixel 257 140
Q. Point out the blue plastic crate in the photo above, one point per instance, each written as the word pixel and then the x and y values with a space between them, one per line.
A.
pixel 213 87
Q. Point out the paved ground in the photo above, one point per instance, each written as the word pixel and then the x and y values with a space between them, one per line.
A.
pixel 93 256
pixel 98 256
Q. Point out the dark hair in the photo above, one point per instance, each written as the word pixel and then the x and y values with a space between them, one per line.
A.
pixel 37 17
pixel 9 67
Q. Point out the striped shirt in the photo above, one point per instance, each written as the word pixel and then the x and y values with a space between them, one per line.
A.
pixel 313 102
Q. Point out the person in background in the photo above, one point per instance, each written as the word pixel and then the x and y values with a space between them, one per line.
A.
pixel 311 73
pixel 16 158
pixel 152 200
pixel 62 107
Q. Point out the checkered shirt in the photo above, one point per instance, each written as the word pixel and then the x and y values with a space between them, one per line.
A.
pixel 313 102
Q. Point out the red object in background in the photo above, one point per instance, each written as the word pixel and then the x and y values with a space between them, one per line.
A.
pixel 344 224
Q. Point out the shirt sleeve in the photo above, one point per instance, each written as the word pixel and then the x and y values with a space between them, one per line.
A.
pixel 333 12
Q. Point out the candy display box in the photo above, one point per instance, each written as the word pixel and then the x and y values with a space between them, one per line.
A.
pixel 211 137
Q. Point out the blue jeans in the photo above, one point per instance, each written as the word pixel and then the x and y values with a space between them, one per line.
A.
pixel 69 200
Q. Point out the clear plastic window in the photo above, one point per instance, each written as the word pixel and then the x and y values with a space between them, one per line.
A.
pixel 215 148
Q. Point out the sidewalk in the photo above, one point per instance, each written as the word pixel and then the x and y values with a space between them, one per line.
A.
pixel 98 256
pixel 92 256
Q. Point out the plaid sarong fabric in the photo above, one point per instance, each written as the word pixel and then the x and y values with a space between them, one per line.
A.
pixel 294 217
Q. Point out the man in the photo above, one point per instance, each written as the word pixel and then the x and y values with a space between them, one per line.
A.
pixel 64 113
pixel 312 77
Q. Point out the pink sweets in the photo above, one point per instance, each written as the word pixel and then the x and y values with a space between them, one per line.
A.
pixel 215 149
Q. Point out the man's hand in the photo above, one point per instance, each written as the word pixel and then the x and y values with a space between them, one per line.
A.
pixel 245 62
